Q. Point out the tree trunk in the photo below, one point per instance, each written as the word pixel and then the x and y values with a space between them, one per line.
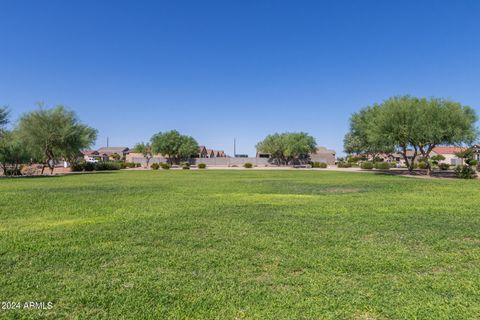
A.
pixel 410 163
pixel 426 156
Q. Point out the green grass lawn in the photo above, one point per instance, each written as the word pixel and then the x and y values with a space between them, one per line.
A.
pixel 241 244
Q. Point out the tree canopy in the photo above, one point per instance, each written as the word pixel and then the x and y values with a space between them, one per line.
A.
pixel 55 133
pixel 407 123
pixel 13 153
pixel 3 118
pixel 174 146
pixel 284 148
pixel 360 140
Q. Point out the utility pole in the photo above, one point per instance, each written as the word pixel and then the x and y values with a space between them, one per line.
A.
pixel 234 148
pixel 107 142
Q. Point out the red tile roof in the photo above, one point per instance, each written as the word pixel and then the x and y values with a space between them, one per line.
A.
pixel 447 150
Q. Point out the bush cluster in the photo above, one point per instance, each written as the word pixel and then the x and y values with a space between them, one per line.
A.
pixel 382 165
pixel 443 166
pixel 155 166
pixel 422 165
pixel 367 165
pixel 99 166
pixel 202 166
pixel 13 172
pixel 131 164
pixel 165 166
pixel 248 165
pixel 343 164
pixel 465 172
pixel 319 165
pixel 107 165
pixel 185 165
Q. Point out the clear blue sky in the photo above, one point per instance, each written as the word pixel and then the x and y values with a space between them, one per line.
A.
pixel 223 69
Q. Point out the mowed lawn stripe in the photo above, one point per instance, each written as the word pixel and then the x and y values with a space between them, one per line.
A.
pixel 241 244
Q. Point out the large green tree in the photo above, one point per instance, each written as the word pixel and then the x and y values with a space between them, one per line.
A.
pixel 13 153
pixel 414 127
pixel 174 146
pixel 284 148
pixel 54 134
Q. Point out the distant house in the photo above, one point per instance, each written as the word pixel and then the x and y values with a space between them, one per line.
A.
pixel 108 153
pixel 89 154
pixel 476 150
pixel 450 154
pixel 396 157
pixel 202 152
pixel 263 155
pixel 219 154
pixel 323 154
pixel 210 153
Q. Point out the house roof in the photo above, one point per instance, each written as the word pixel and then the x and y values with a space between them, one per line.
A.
pixel 210 151
pixel 325 150
pixel 89 152
pixel 112 150
pixel 447 150
pixel 201 148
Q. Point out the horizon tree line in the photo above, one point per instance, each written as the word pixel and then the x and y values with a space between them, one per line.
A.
pixel 400 124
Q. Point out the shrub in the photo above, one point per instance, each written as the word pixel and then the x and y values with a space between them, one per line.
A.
pixel 473 163
pixel 138 165
pixel 367 165
pixel 248 165
pixel 130 164
pixel 90 166
pixel 343 164
pixel 393 164
pixel 202 166
pixel 123 165
pixel 29 170
pixel 14 172
pixel 465 172
pixel 382 165
pixel 185 165
pixel 83 166
pixel 155 166
pixel 165 166
pixel 77 167
pixel 318 164
pixel 443 166
pixel 422 165
pixel 105 165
